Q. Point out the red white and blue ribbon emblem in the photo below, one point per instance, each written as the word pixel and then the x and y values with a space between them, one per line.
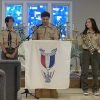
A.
pixel 48 61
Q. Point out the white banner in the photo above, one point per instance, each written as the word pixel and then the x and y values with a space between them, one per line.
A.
pixel 47 64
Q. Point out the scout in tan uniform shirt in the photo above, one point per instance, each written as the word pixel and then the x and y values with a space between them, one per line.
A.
pixel 94 38
pixel 90 42
pixel 9 40
pixel 46 31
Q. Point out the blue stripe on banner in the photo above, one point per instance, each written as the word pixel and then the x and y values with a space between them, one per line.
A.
pixel 52 61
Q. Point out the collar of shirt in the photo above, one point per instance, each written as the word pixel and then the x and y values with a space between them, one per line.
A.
pixel 49 25
pixel 12 29
pixel 91 32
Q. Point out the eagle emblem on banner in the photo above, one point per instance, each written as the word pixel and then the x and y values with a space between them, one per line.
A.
pixel 48 62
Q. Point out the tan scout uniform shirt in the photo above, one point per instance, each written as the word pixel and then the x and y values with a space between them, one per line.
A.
pixel 95 39
pixel 46 33
pixel 4 38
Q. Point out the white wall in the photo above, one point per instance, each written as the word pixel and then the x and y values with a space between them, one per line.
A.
pixel 82 9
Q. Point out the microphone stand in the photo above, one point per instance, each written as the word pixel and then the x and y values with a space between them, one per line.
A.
pixel 26 90
pixel 28 37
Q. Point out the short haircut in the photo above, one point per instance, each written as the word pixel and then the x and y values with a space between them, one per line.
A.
pixel 45 14
pixel 8 18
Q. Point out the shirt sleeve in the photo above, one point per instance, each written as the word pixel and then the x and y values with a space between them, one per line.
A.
pixel 34 35
pixel 56 34
pixel 1 38
pixel 78 41
pixel 99 40
pixel 18 38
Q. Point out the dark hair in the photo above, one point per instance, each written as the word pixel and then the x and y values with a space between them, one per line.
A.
pixel 8 18
pixel 45 14
pixel 94 26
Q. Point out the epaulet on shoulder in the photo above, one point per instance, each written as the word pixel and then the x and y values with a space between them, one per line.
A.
pixel 53 26
pixel 15 31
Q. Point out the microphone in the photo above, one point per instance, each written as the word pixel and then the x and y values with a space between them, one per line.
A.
pixel 28 37
pixel 39 25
